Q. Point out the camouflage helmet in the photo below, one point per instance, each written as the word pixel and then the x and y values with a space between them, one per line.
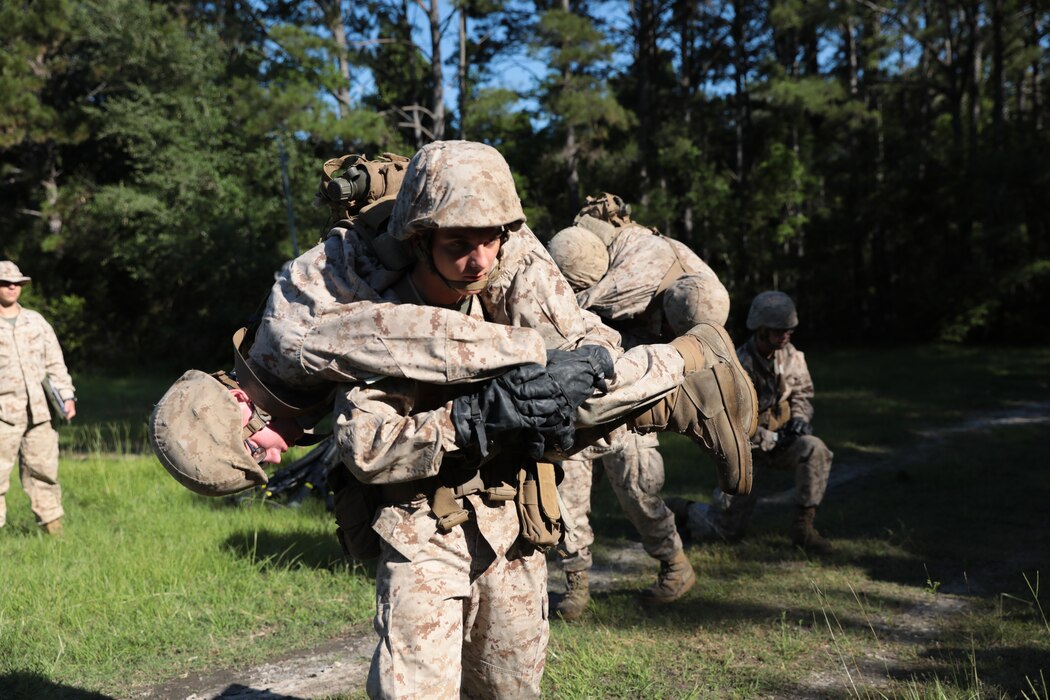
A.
pixel 456 184
pixel 581 256
pixel 195 431
pixel 692 299
pixel 772 310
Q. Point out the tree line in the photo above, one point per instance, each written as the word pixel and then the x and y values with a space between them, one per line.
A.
pixel 885 162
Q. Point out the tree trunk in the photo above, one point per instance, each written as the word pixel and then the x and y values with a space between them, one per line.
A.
pixel 462 73
pixel 437 77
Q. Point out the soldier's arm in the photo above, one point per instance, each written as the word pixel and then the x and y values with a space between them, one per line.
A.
pixel 796 374
pixel 55 365
pixel 381 440
pixel 530 292
pixel 324 322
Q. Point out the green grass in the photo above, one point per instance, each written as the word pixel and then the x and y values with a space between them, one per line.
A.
pixel 968 516
pixel 151 581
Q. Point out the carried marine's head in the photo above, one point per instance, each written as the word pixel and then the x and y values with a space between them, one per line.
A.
pixel 460 185
pixel 581 255
pixel 773 310
pixel 198 433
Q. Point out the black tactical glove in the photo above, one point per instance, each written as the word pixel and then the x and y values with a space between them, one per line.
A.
pixel 792 430
pixel 578 372
pixel 798 426
pixel 525 402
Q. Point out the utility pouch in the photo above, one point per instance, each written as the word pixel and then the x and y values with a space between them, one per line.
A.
pixel 537 502
pixel 355 506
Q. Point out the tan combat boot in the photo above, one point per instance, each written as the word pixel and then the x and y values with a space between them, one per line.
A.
pixel 674 581
pixel 576 598
pixel 715 405
pixel 53 528
pixel 804 535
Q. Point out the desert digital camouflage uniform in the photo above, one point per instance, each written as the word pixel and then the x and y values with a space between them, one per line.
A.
pixel 333 316
pixel 308 334
pixel 633 293
pixel 480 604
pixel 629 294
pixel 785 391
pixel 29 352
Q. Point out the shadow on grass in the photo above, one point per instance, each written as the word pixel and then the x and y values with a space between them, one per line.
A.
pixel 31 686
pixel 285 550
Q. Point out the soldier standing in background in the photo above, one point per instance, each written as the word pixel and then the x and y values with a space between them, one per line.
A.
pixel 784 439
pixel 651 289
pixel 29 356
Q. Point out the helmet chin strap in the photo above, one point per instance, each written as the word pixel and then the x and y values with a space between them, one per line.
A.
pixel 458 286
pixel 421 247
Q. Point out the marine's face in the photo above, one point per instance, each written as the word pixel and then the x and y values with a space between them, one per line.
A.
pixel 267 445
pixel 465 254
pixel 9 292
pixel 771 339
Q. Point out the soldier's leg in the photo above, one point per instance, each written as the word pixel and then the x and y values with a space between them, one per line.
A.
pixel 636 476
pixel 10 441
pixel 505 650
pixel 419 615
pixel 575 547
pixel 811 461
pixel 643 375
pixel 714 402
pixel 40 472
pixel 575 492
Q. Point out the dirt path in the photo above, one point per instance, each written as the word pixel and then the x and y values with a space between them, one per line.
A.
pixel 341 667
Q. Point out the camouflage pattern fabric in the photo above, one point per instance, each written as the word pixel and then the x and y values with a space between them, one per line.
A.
pixel 638 261
pixel 636 476
pixel 29 352
pixel 453 184
pixel 325 322
pixel 575 490
pixel 484 609
pixel 458 614
pixel 785 378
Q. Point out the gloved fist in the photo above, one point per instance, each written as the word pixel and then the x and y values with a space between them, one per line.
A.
pixel 798 426
pixel 525 401
pixel 579 372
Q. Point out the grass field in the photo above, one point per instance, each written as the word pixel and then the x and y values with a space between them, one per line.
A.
pixel 935 592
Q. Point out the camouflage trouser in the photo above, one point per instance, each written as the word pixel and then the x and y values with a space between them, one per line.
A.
pixel 462 614
pixel 575 492
pixel 643 375
pixel 636 475
pixel 36 448
pixel 808 456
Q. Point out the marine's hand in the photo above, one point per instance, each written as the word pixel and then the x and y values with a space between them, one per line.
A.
pixel 525 401
pixel 579 372
pixel 798 426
